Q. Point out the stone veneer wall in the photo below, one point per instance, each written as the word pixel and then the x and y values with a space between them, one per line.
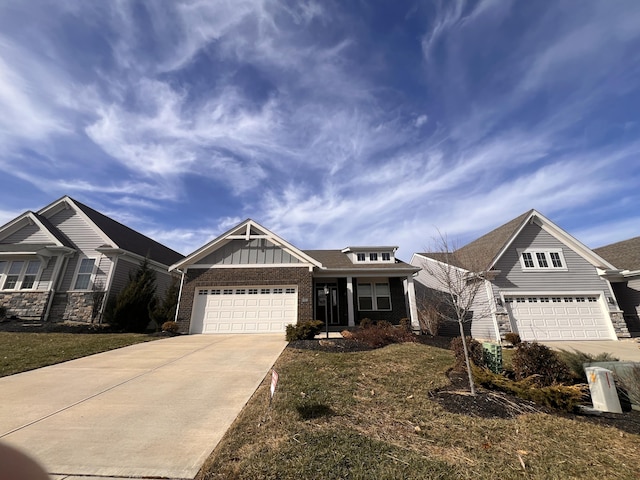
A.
pixel 25 304
pixel 72 306
pixel 619 325
pixel 212 277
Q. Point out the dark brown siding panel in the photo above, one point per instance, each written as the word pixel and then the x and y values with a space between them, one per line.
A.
pixel 212 277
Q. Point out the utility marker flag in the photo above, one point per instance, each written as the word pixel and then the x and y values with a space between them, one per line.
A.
pixel 274 381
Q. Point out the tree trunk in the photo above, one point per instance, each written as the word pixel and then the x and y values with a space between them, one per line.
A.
pixel 472 386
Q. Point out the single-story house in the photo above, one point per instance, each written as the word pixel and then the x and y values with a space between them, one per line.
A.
pixel 626 283
pixel 539 282
pixel 64 261
pixel 250 280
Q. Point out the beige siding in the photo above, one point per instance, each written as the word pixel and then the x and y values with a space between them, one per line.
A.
pixel 28 234
pixel 258 251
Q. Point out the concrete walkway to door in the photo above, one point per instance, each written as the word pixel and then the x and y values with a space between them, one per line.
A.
pixel 152 410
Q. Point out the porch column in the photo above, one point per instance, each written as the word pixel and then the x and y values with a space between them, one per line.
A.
pixel 351 322
pixel 413 309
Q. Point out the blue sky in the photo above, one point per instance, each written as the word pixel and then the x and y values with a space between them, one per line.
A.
pixel 332 123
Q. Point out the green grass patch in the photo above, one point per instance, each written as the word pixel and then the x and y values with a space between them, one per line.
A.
pixel 365 415
pixel 20 352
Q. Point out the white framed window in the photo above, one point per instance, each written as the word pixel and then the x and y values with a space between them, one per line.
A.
pixel 84 275
pixel 19 274
pixel 542 259
pixel 290 290
pixel 373 257
pixel 374 296
pixel 361 257
pixel 386 256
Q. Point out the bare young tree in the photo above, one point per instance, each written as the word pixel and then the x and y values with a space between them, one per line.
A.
pixel 458 280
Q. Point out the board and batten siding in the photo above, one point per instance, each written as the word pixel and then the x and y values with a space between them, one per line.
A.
pixel 482 323
pixel 258 251
pixel 580 275
pixel 28 234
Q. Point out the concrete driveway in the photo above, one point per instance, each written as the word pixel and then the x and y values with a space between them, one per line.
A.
pixel 628 350
pixel 149 410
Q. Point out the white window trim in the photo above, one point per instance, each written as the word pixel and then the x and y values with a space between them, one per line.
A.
pixel 367 257
pixel 546 252
pixel 374 297
pixel 21 275
pixel 92 278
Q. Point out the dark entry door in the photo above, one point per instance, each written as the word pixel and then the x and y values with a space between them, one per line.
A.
pixel 333 311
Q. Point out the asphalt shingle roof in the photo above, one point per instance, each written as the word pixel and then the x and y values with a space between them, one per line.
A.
pixel 482 251
pixel 130 240
pixel 624 255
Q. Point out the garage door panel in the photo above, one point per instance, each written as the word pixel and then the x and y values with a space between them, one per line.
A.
pixel 249 309
pixel 561 318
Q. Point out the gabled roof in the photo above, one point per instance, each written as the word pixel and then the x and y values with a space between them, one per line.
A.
pixel 29 217
pixel 337 260
pixel 128 239
pixel 486 250
pixel 624 255
pixel 245 230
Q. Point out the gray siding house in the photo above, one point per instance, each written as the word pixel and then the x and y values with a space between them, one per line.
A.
pixel 625 256
pixel 55 263
pixel 249 280
pixel 539 282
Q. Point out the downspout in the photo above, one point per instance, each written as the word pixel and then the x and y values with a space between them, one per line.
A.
pixel 175 318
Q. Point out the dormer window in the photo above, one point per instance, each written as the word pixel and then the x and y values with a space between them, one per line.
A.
pixel 373 257
pixel 362 257
pixel 542 260
pixel 386 256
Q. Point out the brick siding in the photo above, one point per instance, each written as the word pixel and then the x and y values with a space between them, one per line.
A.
pixel 212 277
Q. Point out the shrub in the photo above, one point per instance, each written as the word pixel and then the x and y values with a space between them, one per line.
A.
pixel 405 324
pixel 304 330
pixel 575 361
pixel 474 348
pixel 513 338
pixel 136 301
pixel 540 363
pixel 629 382
pixel 562 397
pixel 171 327
pixel 366 323
pixel 382 334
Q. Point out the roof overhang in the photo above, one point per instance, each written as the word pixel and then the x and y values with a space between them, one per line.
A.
pixel 376 248
pixel 243 231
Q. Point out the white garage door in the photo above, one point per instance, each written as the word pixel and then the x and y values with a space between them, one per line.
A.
pixel 561 317
pixel 254 309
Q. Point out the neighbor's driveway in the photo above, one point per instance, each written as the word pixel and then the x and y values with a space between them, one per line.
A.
pixel 627 350
pixel 149 410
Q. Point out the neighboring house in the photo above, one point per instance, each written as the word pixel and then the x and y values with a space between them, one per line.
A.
pixel 540 282
pixel 626 283
pixel 55 263
pixel 249 280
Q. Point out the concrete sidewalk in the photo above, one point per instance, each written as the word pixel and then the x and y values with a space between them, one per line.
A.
pixel 628 350
pixel 156 409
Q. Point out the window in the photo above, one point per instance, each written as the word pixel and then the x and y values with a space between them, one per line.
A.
pixel 528 260
pixel 568 299
pixel 374 296
pixel 386 256
pixel 555 259
pixel 265 291
pixel 373 257
pixel 533 300
pixel 544 299
pixel 361 257
pixel 215 292
pixel 83 277
pixel 13 274
pixel 519 299
pixel 290 290
pixel 227 291
pixel 580 299
pixel 592 299
pixel 556 299
pixel 539 260
pixel 277 290
pixel 203 292
pixel 240 291
pixel 542 260
pixel 253 291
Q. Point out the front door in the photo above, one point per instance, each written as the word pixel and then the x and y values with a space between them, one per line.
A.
pixel 331 314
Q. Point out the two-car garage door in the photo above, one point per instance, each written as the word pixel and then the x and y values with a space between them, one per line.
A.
pixel 246 309
pixel 561 317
